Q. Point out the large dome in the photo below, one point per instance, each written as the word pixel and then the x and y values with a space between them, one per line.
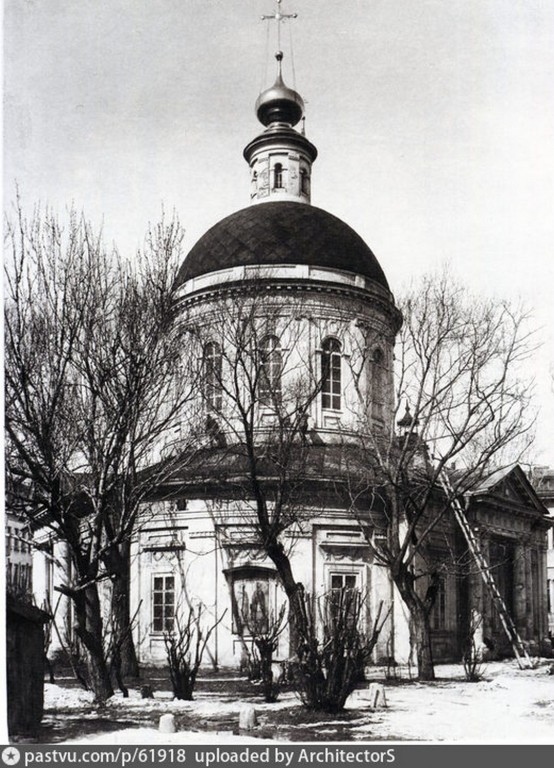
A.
pixel 281 233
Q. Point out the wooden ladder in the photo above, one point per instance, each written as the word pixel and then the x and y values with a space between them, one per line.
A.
pixel 520 652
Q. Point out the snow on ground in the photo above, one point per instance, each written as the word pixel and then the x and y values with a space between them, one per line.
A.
pixel 508 706
pixel 152 736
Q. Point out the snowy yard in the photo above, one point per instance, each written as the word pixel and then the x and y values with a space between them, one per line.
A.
pixel 508 706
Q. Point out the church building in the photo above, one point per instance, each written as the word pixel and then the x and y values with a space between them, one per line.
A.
pixel 295 325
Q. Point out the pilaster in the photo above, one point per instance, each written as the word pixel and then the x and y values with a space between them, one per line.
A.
pixel 520 589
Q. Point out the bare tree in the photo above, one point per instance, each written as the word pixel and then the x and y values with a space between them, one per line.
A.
pixel 133 398
pixel 459 367
pixel 93 399
pixel 185 644
pixel 330 667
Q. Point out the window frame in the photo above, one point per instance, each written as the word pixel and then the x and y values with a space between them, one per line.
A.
pixel 336 593
pixel 166 606
pixel 278 174
pixel 331 374
pixel 378 383
pixel 271 371
pixel 212 371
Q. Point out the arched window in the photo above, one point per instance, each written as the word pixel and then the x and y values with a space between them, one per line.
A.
pixel 304 186
pixel 278 176
pixel 377 383
pixel 271 370
pixel 331 374
pixel 212 365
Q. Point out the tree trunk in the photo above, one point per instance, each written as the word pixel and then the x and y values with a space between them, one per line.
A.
pixel 298 621
pixel 121 612
pixel 422 636
pixel 89 629
pixel 420 631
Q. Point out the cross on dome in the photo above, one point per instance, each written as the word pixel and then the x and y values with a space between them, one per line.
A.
pixel 280 158
pixel 279 18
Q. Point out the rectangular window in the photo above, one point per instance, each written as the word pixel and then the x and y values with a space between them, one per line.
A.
pixel 331 377
pixel 163 603
pixel 344 597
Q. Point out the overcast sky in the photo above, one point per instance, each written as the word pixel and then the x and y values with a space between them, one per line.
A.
pixel 434 121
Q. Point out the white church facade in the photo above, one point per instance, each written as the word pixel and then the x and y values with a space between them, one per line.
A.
pixel 295 325
pixel 314 301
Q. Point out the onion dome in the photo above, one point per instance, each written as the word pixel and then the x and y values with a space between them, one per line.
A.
pixel 279 104
pixel 408 423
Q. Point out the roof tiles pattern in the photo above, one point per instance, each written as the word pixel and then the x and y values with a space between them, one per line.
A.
pixel 281 233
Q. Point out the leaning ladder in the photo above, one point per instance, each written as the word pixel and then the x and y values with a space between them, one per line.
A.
pixel 520 652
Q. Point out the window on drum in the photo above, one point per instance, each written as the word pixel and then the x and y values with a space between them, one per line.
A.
pixel 331 374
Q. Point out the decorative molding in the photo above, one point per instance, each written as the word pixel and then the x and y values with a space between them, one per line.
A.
pixel 338 552
pixel 246 553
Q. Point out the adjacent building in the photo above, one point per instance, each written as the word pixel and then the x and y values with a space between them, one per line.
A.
pixel 542 479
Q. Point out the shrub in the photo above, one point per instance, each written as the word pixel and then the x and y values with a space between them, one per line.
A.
pixel 330 663
pixel 185 645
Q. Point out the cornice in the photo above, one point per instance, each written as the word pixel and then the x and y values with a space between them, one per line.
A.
pixel 298 285
pixel 285 138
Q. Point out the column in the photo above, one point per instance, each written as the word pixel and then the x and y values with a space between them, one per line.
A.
pixel 520 589
pixel 543 586
pixel 529 595
pixel 488 606
pixel 476 603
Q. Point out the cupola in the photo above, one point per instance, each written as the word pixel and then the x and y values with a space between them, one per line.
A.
pixel 279 105
pixel 281 157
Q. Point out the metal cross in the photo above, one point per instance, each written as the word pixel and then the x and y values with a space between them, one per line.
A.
pixel 279 17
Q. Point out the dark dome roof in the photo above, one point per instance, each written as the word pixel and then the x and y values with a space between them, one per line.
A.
pixel 281 233
pixel 279 104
